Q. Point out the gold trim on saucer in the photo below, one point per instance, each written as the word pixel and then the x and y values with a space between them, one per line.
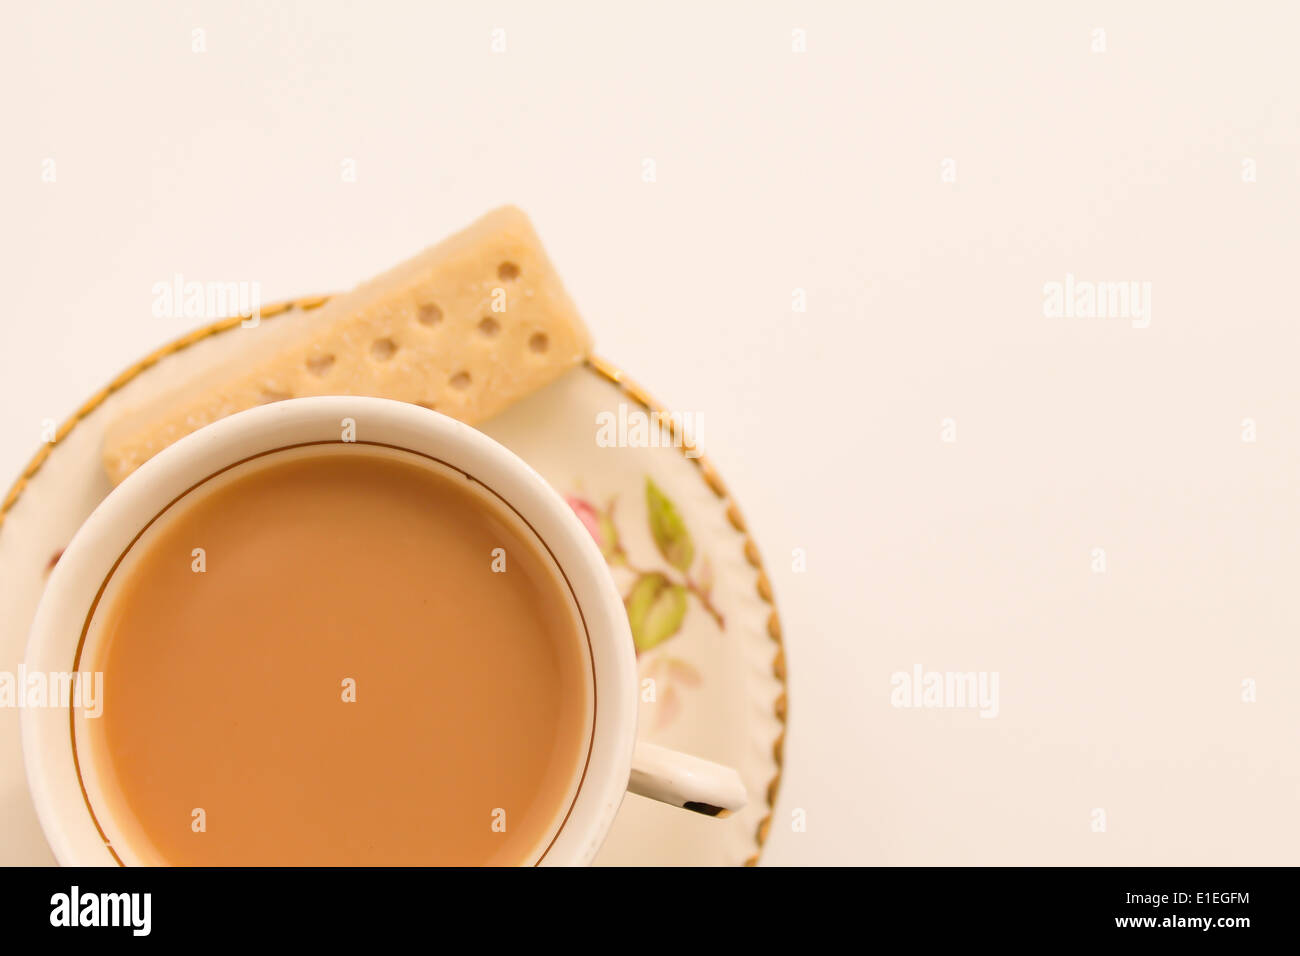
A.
pixel 607 371
pixel 764 588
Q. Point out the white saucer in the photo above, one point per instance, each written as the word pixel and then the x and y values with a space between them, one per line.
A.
pixel 716 663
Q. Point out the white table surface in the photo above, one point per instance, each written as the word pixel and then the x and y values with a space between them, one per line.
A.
pixel 820 171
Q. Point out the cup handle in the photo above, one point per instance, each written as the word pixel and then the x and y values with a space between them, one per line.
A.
pixel 685 781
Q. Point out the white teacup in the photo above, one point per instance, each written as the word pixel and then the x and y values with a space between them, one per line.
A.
pixel 616 762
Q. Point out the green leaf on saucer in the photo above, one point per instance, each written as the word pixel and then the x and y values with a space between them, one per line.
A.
pixel 655 608
pixel 670 534
pixel 608 535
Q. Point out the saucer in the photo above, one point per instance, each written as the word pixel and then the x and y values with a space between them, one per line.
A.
pixel 708 636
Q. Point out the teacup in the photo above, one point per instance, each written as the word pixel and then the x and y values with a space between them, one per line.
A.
pixel 84 827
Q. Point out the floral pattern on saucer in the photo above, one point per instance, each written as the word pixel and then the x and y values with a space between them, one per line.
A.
pixel 658 600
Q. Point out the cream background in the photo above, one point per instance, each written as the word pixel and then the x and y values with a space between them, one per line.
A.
pixel 818 171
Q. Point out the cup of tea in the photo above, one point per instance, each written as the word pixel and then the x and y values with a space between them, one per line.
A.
pixel 337 631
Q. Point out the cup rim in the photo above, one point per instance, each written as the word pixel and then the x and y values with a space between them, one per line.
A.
pixel 84 564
